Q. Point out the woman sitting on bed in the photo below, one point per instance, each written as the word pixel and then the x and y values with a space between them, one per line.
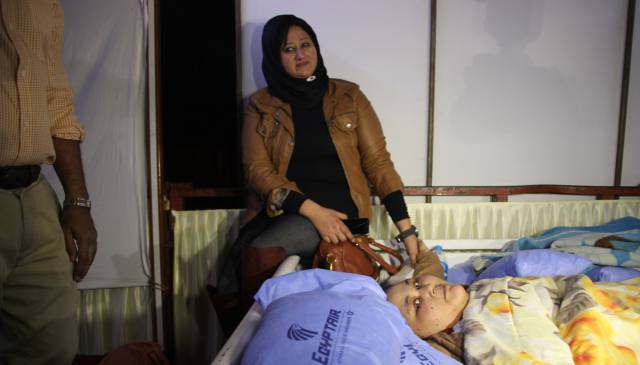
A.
pixel 549 319
pixel 311 147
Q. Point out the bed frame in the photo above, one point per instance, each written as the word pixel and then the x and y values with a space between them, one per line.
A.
pixel 176 196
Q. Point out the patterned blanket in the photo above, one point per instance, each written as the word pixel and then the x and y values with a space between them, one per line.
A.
pixel 616 243
pixel 552 320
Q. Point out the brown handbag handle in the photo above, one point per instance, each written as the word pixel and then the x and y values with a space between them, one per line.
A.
pixel 365 246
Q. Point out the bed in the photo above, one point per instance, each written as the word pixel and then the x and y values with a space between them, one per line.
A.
pixel 462 229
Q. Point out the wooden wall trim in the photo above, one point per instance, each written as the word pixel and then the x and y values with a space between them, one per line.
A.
pixel 178 192
pixel 624 93
pixel 431 90
pixel 501 193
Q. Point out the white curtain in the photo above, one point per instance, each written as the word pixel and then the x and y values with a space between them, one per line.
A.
pixel 105 58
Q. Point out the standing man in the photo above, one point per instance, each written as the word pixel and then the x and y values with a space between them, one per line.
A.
pixel 42 249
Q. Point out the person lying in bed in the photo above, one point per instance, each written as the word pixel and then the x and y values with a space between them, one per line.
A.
pixel 553 319
pixel 431 305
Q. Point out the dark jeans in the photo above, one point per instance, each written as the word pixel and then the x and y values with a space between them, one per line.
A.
pixel 260 247
pixel 293 232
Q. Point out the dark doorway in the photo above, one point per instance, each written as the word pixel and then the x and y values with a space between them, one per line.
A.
pixel 199 95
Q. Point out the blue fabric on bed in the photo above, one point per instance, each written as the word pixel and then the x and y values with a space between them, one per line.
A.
pixel 611 273
pixel 326 317
pixel 462 273
pixel 616 243
pixel 536 263
pixel 626 224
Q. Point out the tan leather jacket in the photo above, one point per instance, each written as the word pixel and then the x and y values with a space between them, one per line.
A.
pixel 268 139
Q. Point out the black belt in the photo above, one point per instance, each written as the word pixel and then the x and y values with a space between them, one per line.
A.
pixel 12 177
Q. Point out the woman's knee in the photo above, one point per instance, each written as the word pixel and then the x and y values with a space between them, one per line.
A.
pixel 293 232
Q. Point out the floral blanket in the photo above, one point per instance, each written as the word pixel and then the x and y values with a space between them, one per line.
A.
pixel 552 320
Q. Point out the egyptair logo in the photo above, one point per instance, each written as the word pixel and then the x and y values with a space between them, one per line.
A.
pixel 298 333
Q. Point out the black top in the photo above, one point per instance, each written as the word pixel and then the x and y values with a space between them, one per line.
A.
pixel 316 168
pixel 315 165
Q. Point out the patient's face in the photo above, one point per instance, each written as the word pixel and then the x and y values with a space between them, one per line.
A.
pixel 428 303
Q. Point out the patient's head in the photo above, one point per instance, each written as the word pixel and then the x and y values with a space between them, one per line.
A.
pixel 428 303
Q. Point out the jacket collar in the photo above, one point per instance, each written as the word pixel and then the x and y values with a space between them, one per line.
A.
pixel 329 102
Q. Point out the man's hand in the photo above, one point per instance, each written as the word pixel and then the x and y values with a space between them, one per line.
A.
pixel 327 221
pixel 79 231
pixel 80 239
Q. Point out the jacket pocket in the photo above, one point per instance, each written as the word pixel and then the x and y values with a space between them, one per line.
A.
pixel 346 122
pixel 268 128
pixel 346 126
pixel 273 135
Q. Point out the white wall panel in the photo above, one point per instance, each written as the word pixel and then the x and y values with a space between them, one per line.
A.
pixel 527 91
pixel 104 56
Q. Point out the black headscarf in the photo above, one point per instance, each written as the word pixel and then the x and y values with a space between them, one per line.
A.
pixel 297 92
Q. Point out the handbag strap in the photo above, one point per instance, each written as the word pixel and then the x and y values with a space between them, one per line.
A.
pixel 365 243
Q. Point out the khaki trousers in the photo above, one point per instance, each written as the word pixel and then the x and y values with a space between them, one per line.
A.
pixel 38 299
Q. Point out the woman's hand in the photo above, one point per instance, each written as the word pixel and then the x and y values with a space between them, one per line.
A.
pixel 410 242
pixel 411 245
pixel 327 221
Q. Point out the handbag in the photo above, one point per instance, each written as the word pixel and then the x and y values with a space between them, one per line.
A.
pixel 355 256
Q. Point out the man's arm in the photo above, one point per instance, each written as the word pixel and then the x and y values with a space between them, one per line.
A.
pixel 77 225
pixel 79 231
